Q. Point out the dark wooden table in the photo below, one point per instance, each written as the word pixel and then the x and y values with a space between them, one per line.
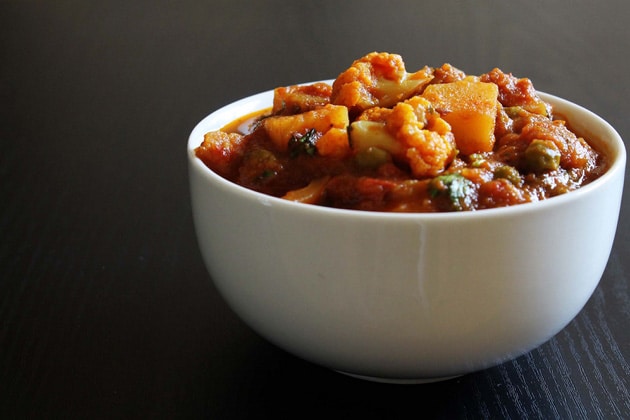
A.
pixel 106 310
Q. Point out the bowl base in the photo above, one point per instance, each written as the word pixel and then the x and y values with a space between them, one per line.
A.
pixel 399 381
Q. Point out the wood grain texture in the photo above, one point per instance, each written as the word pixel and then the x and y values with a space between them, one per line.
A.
pixel 106 310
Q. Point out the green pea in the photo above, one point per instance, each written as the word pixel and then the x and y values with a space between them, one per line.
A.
pixel 542 155
pixel 510 173
pixel 477 160
pixel 514 111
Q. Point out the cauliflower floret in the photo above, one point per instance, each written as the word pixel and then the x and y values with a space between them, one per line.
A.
pixel 412 132
pixel 327 129
pixel 290 100
pixel 378 79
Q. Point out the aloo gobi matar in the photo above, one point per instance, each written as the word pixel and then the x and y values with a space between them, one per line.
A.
pixel 380 138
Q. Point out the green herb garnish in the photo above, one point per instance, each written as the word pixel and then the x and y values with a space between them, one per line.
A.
pixel 454 186
pixel 303 144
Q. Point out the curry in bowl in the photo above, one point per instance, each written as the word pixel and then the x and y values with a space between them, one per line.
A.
pixel 381 138
pixel 422 288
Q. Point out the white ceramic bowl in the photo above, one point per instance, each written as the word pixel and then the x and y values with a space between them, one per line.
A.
pixel 406 298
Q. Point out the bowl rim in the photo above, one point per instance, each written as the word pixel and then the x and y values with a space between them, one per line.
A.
pixel 615 149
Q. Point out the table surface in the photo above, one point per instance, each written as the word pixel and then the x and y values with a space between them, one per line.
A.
pixel 106 309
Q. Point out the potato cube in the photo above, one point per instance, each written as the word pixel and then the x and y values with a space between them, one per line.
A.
pixel 470 107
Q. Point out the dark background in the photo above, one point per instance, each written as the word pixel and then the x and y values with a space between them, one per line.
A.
pixel 106 310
